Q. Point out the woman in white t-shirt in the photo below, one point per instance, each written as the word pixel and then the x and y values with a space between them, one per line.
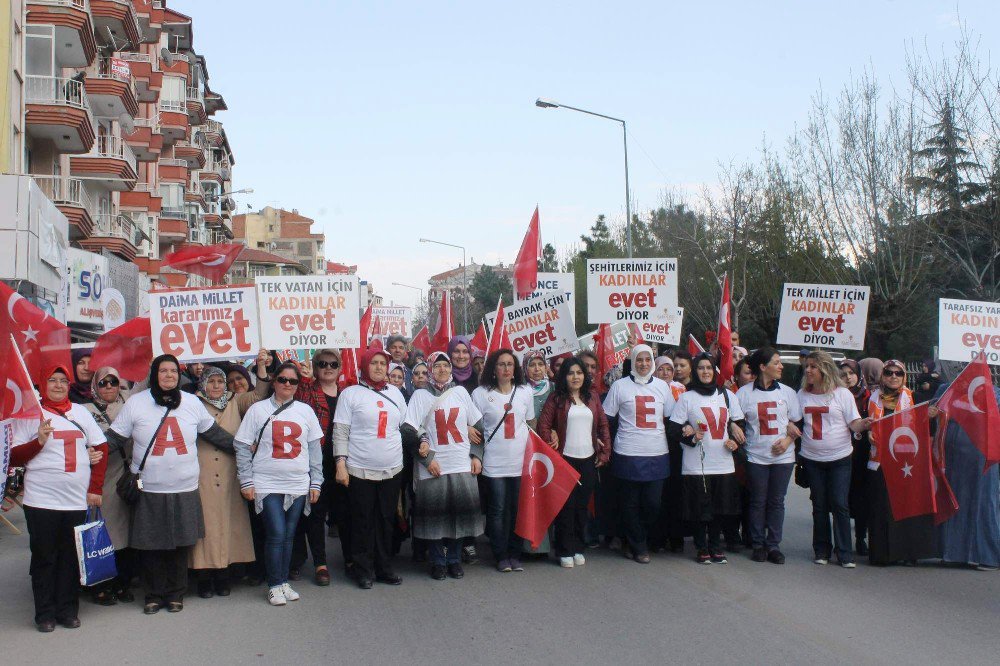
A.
pixel 707 419
pixel 508 410
pixel 830 417
pixel 279 464
pixel 164 424
pixel 640 403
pixel 60 482
pixel 368 451
pixel 445 429
pixel 771 410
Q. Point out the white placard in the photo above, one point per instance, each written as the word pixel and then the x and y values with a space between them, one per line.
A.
pixel 552 283
pixel 666 333
pixel 637 290
pixel 205 323
pixel 833 316
pixel 542 324
pixel 392 321
pixel 967 327
pixel 309 311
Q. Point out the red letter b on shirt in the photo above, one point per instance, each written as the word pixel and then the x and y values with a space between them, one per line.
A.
pixel 285 442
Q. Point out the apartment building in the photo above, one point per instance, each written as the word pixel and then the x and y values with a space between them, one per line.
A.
pixel 283 232
pixel 111 113
pixel 456 280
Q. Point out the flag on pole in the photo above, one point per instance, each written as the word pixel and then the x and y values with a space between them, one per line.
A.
pixel 210 261
pixel 604 348
pixel 725 334
pixel 444 331
pixel 971 403
pixel 547 481
pixel 526 264
pixel 480 340
pixel 499 339
pixel 422 340
pixel 694 347
pixel 19 399
pixel 43 341
pixel 127 348
pixel 904 453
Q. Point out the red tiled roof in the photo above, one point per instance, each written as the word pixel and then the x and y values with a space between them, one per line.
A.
pixel 339 269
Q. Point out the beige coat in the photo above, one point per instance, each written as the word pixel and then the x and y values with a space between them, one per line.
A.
pixel 227 520
pixel 117 514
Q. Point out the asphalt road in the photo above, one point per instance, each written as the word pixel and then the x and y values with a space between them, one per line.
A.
pixel 610 611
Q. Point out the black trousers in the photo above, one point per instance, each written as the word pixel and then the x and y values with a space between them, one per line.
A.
pixel 340 511
pixel 55 574
pixel 373 510
pixel 572 518
pixel 669 528
pixel 311 530
pixel 706 533
pixel 164 574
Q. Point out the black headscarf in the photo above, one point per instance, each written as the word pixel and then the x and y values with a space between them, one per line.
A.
pixel 171 398
pixel 696 384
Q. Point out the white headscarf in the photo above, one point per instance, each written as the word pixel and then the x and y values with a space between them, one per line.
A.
pixel 634 354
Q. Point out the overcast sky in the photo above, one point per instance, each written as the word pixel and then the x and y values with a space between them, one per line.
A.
pixel 388 121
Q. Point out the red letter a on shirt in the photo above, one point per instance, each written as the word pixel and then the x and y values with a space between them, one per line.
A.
pixel 169 437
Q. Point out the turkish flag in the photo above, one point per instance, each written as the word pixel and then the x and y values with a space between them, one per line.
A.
pixel 604 348
pixel 499 339
pixel 546 483
pixel 971 403
pixel 422 340
pixel 694 347
pixel 19 399
pixel 374 340
pixel 211 261
pixel 904 453
pixel 636 333
pixel 128 349
pixel 43 341
pixel 348 368
pixel 725 334
pixel 480 339
pixel 445 330
pixel 526 264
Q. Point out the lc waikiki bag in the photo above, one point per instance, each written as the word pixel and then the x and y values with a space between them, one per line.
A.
pixel 94 550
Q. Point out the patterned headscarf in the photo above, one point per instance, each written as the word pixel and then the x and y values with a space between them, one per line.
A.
pixel 209 372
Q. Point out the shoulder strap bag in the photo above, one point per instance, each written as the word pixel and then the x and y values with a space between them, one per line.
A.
pixel 260 433
pixel 506 410
pixel 130 483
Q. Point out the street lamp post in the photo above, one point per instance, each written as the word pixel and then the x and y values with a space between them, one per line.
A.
pixel 465 282
pixel 410 286
pixel 549 104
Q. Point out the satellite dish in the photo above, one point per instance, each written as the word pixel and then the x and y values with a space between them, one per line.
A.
pixel 112 40
pixel 125 120
pixel 167 56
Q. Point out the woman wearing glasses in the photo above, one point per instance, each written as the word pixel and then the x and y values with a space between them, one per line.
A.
pixel 320 391
pixel 893 541
pixel 280 466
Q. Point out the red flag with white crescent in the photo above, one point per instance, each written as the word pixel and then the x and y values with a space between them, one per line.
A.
pixel 547 481
pixel 43 341
pixel 526 264
pixel 904 454
pixel 210 261
pixel 422 340
pixel 971 402
pixel 19 399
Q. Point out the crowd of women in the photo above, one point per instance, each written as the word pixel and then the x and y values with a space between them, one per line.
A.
pixel 242 472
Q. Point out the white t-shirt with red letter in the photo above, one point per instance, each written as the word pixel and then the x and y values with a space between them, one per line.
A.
pixel 505 452
pixel 281 464
pixel 768 414
pixel 172 465
pixel 375 443
pixel 826 435
pixel 446 420
pixel 641 409
pixel 59 475
pixel 710 415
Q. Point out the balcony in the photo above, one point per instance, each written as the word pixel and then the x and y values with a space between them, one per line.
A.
pixel 174 123
pixel 144 198
pixel 71 197
pixel 172 170
pixel 213 133
pixel 114 232
pixel 196 106
pixel 150 16
pixel 74 29
pixel 119 18
pixel 146 74
pixel 111 162
pixel 111 90
pixel 146 141
pixel 193 193
pixel 173 225
pixel 213 169
pixel 56 109
pixel 193 154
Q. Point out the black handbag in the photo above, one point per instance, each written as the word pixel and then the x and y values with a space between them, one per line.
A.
pixel 740 454
pixel 801 473
pixel 130 483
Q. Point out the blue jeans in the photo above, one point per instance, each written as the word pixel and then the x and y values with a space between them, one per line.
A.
pixel 640 506
pixel 437 551
pixel 501 517
pixel 829 483
pixel 768 485
pixel 279 532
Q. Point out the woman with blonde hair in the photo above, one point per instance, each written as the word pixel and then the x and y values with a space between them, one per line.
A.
pixel 830 418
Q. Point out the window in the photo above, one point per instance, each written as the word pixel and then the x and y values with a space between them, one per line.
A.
pixel 173 96
pixel 257 270
pixel 40 50
pixel 173 197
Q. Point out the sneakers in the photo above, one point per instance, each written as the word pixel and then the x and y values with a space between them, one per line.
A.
pixel 290 594
pixel 703 557
pixel 579 560
pixel 469 554
pixel 759 555
pixel 515 564
pixel 566 562
pixel 985 567
pixel 719 558
pixel 775 557
pixel 822 560
pixel 503 566
pixel 848 565
pixel 276 596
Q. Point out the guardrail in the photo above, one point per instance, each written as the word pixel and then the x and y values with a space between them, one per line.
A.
pixel 66 191
pixel 114 225
pixel 114 147
pixel 55 90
